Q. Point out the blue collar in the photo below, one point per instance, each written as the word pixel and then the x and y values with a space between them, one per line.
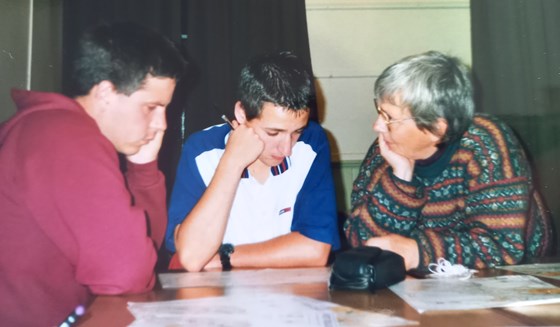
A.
pixel 275 170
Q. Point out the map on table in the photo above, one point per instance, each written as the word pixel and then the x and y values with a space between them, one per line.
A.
pixel 253 308
pixel 548 270
pixel 475 293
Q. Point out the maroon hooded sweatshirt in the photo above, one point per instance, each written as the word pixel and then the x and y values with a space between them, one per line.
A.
pixel 71 224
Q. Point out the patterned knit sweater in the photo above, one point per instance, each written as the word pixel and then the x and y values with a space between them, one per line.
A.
pixel 473 205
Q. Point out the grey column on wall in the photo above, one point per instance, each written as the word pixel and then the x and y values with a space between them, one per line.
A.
pixel 30 48
pixel 14 51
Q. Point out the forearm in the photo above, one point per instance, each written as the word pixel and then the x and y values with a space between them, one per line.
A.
pixel 286 251
pixel 147 185
pixel 199 236
pixel 493 226
pixel 476 247
pixel 403 246
pixel 392 207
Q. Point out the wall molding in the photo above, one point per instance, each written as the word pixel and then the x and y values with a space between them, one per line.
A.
pixel 385 4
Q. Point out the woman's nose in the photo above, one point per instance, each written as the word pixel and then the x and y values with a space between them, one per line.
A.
pixel 379 125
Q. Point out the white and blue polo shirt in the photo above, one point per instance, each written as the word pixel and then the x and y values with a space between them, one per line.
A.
pixel 298 195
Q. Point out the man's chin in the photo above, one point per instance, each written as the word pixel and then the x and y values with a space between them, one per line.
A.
pixel 129 151
pixel 274 162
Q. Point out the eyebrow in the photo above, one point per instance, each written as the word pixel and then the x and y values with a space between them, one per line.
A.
pixel 274 129
pixel 385 112
pixel 156 103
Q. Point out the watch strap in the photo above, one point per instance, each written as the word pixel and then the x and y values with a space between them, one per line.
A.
pixel 225 252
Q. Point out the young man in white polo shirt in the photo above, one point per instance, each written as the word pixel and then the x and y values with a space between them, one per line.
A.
pixel 258 192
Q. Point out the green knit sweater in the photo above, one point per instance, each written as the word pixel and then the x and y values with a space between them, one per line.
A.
pixel 473 205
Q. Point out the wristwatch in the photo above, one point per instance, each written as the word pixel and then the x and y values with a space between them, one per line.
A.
pixel 225 252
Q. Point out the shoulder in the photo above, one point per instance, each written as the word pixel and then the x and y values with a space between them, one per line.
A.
pixel 45 107
pixel 314 135
pixel 490 132
pixel 490 124
pixel 313 128
pixel 213 137
pixel 491 143
pixel 57 127
pixel 58 138
pixel 71 120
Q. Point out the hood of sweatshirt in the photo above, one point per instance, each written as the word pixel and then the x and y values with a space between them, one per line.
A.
pixel 28 102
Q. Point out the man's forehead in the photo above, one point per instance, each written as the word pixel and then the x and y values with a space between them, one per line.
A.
pixel 280 118
pixel 155 89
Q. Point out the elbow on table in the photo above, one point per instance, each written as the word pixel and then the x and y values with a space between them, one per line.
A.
pixel 189 263
pixel 126 284
pixel 319 256
pixel 143 285
pixel 516 257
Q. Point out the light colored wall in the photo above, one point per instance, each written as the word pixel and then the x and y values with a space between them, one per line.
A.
pixel 30 47
pixel 13 50
pixel 352 41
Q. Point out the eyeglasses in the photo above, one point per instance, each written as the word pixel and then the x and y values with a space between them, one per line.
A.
pixel 385 116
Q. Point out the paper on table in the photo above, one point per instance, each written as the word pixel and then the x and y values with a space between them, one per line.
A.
pixel 476 293
pixel 265 277
pixel 548 270
pixel 256 309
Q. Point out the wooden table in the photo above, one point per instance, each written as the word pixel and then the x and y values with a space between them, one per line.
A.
pixel 112 310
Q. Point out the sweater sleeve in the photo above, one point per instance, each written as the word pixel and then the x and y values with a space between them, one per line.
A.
pixel 80 199
pixel 381 202
pixel 147 185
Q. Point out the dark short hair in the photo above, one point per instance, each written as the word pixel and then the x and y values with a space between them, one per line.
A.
pixel 123 53
pixel 431 85
pixel 280 78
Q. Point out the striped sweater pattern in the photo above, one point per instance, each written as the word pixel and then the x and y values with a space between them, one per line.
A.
pixel 473 206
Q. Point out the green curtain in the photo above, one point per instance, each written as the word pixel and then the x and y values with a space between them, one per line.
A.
pixel 516 65
pixel 222 35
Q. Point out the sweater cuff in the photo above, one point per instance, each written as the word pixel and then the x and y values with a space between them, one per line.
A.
pixel 413 188
pixel 147 172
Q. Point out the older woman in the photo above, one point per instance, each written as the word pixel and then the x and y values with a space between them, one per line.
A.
pixel 441 181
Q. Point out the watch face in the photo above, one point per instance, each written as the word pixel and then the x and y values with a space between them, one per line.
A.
pixel 225 251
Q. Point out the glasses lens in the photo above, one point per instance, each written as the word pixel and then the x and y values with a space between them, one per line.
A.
pixel 383 115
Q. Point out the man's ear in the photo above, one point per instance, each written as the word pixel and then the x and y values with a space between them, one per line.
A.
pixel 103 93
pixel 240 113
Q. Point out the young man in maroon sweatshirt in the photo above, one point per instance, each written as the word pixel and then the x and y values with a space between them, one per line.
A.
pixel 71 225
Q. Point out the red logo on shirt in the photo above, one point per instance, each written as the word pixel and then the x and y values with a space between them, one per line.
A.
pixel 283 211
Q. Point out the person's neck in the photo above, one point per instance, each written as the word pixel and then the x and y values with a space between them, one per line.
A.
pixel 259 171
pixel 428 153
pixel 86 103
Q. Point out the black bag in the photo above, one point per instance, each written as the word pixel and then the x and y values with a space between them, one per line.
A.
pixel 366 268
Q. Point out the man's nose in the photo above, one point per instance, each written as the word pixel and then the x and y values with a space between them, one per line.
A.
pixel 286 146
pixel 159 121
